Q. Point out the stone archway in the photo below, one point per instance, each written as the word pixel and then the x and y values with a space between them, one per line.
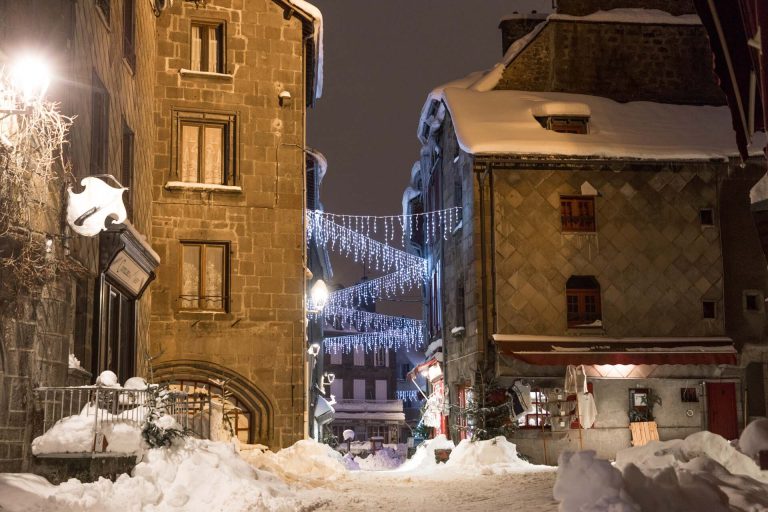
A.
pixel 247 393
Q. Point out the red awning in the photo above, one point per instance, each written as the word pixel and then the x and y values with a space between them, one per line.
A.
pixel 565 350
pixel 737 30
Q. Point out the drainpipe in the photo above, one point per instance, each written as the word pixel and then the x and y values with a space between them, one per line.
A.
pixel 483 280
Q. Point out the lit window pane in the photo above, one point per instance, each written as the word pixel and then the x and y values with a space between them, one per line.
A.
pixel 213 50
pixel 190 276
pixel 213 154
pixel 214 277
pixel 196 45
pixel 190 141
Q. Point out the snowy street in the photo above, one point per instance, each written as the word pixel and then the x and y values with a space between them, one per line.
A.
pixel 390 490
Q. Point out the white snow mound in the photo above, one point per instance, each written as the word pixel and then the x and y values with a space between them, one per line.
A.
pixel 307 461
pixel 754 438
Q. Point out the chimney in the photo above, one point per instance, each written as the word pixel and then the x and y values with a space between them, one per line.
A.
pixel 516 26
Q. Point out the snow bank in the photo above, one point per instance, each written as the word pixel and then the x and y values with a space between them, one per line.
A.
pixel 701 472
pixel 386 458
pixel 754 438
pixel 181 478
pixel 307 461
pixel 424 458
pixel 494 456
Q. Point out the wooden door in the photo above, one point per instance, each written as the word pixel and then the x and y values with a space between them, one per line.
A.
pixel 721 409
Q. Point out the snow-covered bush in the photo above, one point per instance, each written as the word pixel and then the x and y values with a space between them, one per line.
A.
pixel 159 429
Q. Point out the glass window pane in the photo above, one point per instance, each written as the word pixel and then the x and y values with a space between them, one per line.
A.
pixel 213 154
pixel 214 277
pixel 190 141
pixel 213 50
pixel 196 44
pixel 190 276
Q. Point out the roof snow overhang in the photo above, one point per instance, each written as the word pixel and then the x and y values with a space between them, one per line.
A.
pixel 312 22
pixel 565 350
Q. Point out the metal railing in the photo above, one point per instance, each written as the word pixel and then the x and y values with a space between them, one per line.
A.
pixel 118 405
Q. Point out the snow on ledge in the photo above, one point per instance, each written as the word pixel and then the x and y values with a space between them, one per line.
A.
pixel 645 16
pixel 317 36
pixel 207 74
pixel 561 108
pixel 203 187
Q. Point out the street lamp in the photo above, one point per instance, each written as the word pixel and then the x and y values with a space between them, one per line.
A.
pixel 319 295
pixel 30 76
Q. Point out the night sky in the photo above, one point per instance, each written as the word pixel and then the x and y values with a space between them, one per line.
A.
pixel 381 60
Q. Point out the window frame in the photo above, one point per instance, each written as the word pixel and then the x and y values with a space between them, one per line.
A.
pixel 105 8
pixel 583 223
pixel 203 118
pixel 220 27
pixel 129 33
pixel 226 264
pixel 100 100
pixel 127 166
pixel 580 296
pixel 705 306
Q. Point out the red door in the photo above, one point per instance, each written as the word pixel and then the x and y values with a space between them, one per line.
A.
pixel 721 409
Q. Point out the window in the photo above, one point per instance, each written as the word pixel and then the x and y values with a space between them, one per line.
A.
pixel 204 270
pixel 435 306
pixel 205 148
pixel 358 389
pixel 752 300
pixel 116 348
pixel 537 416
pixel 336 358
pixel 99 127
pixel 404 369
pixel 129 33
pixel 565 124
pixel 381 389
pixel 381 357
pixel 238 416
pixel 378 431
pixel 583 302
pixel 708 307
pixel 707 217
pixel 359 356
pixel 126 171
pixel 460 318
pixel 577 213
pixel 337 389
pixel 207 47
pixel 103 6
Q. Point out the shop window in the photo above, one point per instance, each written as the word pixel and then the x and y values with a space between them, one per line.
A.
pixel 583 302
pixel 537 415
pixel 205 148
pixel 99 126
pixel 577 213
pixel 238 417
pixel 708 309
pixel 207 47
pixel 204 272
pixel 129 33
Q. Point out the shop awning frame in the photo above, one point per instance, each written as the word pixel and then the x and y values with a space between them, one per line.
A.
pixel 565 350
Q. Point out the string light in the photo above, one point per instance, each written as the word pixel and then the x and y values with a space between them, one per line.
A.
pixel 409 395
pixel 438 223
pixel 410 338
pixel 384 287
pixel 343 318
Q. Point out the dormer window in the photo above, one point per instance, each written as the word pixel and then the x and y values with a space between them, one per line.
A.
pixel 563 117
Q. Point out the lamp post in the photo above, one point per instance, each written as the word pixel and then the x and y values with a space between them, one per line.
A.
pixel 318 298
pixel 27 80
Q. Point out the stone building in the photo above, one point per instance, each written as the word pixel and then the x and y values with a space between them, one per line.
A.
pixel 606 223
pixel 102 55
pixel 233 81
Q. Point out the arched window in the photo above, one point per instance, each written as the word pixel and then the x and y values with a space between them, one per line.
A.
pixel 583 302
pixel 238 416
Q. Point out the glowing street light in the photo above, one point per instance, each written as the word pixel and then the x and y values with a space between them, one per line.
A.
pixel 319 295
pixel 30 76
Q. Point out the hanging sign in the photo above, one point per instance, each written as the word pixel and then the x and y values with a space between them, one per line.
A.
pixel 88 210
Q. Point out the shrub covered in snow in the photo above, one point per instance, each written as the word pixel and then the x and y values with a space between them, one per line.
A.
pixel 159 429
pixel 386 458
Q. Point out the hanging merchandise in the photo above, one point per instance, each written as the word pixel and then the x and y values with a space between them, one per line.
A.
pixel 575 379
pixel 587 409
pixel 435 224
pixel 343 318
pixel 409 338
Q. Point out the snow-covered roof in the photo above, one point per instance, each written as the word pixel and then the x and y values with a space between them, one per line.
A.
pixel 488 121
pixel 316 16
pixel 502 121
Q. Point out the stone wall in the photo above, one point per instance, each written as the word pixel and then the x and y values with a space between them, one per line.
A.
pixel 621 61
pixel 39 329
pixel 261 336
pixel 653 259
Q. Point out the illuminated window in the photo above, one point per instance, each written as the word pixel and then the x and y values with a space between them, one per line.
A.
pixel 207 52
pixel 205 147
pixel 204 270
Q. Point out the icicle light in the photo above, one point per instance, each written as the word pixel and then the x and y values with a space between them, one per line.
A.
pixel 345 318
pixel 410 338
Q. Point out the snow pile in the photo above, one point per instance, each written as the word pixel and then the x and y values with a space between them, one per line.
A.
pixel 306 461
pixel 424 458
pixel 494 456
pixel 180 478
pixel 74 362
pixel 754 438
pixel 75 434
pixel 701 472
pixel 107 379
pixel 386 458
pixel 349 462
